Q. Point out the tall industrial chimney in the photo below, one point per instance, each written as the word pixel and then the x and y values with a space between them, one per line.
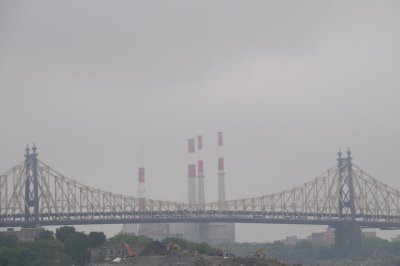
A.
pixel 200 170
pixel 192 196
pixel 138 228
pixel 221 173
pixel 141 189
pixel 146 229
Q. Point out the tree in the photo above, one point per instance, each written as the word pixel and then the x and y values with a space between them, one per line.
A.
pixel 76 246
pixel 278 250
pixel 4 255
pixel 374 246
pixel 64 232
pixel 326 252
pixel 8 239
pixel 303 251
pixel 395 247
pixel 46 234
pixel 21 256
pixel 131 239
pixel 48 252
pixel 96 239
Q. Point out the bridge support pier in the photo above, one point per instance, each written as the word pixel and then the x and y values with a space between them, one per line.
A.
pixel 347 240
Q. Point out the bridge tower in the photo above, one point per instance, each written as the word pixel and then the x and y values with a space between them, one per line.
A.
pixel 347 234
pixel 31 196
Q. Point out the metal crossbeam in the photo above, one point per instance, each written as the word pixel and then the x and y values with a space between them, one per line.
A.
pixel 33 194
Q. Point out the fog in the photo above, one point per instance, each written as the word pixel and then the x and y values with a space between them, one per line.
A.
pixel 103 87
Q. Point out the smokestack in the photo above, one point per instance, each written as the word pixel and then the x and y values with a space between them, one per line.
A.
pixel 200 170
pixel 221 173
pixel 141 189
pixel 192 195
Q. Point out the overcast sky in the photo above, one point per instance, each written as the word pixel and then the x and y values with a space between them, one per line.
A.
pixel 103 87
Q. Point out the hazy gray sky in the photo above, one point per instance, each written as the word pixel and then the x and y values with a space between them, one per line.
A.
pixel 104 87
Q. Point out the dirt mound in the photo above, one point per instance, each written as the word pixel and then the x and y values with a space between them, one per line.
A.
pixel 182 260
pixel 155 248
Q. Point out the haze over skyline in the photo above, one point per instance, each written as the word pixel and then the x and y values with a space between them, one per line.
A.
pixel 103 88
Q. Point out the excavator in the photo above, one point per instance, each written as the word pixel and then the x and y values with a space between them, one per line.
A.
pixel 129 250
pixel 260 254
pixel 172 247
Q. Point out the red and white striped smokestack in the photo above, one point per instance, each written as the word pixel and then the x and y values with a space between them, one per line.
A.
pixel 141 189
pixel 221 173
pixel 220 139
pixel 192 195
pixel 200 170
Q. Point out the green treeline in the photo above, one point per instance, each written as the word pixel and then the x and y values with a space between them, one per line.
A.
pixel 132 239
pixel 307 251
pixel 67 247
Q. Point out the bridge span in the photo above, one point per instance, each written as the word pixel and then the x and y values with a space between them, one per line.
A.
pixel 345 197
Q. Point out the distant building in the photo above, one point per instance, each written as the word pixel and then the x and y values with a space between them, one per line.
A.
pixel 155 231
pixel 291 240
pixel 105 253
pixel 211 233
pixel 217 233
pixel 327 236
pixel 394 239
pixel 110 252
pixel 25 234
pixel 368 234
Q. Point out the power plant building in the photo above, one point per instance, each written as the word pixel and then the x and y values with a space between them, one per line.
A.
pixel 212 233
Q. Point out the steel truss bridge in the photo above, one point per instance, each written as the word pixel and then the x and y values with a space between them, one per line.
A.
pixel 345 197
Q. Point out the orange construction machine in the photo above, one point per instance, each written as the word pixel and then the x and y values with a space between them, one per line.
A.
pixel 129 250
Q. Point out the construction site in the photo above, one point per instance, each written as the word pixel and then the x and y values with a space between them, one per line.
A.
pixel 197 260
pixel 171 254
pixel 211 233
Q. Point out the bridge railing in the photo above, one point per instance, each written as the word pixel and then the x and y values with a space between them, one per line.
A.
pixel 324 199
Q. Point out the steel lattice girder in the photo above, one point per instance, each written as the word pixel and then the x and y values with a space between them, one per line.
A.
pixel 65 201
